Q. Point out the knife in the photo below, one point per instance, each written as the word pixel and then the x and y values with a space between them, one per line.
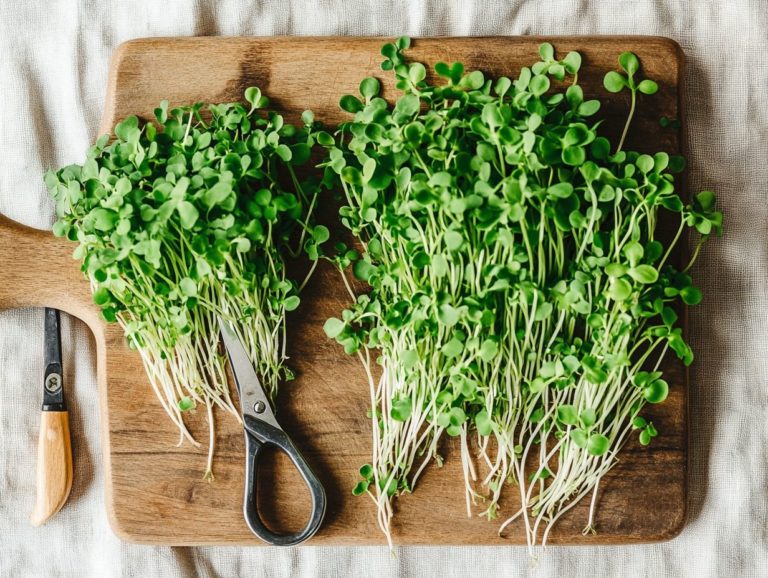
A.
pixel 54 450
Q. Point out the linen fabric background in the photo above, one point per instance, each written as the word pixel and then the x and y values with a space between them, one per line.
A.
pixel 54 58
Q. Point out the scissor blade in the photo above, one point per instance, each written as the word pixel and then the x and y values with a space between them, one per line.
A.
pixel 253 400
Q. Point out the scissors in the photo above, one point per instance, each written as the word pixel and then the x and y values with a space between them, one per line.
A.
pixel 262 429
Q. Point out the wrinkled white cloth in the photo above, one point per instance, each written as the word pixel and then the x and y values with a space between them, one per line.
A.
pixel 54 58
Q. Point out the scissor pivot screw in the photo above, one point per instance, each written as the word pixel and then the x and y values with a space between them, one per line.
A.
pixel 53 382
pixel 259 407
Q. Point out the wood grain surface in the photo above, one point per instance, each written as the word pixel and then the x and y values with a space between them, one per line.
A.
pixel 54 466
pixel 154 489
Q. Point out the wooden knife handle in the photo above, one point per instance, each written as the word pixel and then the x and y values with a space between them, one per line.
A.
pixel 54 466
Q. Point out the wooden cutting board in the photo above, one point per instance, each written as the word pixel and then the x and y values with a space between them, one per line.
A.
pixel 155 493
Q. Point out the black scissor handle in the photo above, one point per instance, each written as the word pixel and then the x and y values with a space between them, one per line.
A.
pixel 257 435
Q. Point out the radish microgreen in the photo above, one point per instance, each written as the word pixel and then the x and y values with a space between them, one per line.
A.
pixel 189 219
pixel 519 287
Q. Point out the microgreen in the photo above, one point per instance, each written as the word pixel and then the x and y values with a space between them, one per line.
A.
pixel 616 82
pixel 519 288
pixel 187 219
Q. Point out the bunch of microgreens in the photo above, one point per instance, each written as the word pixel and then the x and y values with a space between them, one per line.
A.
pixel 186 220
pixel 518 286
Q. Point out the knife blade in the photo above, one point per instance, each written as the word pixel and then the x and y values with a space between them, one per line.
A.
pixel 54 450
pixel 53 382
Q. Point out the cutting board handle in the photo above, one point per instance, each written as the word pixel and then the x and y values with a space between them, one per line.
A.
pixel 37 270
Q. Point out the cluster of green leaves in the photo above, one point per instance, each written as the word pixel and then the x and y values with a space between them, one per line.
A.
pixel 518 284
pixel 188 218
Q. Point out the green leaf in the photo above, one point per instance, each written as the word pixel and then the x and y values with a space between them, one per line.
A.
pixel 489 350
pixel 645 274
pixel 217 194
pixel 483 423
pixel 360 488
pixel 439 265
pixel 653 251
pixel 614 82
pixel 557 71
pixel 363 270
pixel 648 87
pixel 579 438
pixel 324 139
pixel 598 444
pixel 560 190
pixel 503 84
pixel 537 385
pixel 101 296
pixel 188 214
pixel 186 403
pixel 574 95
pixel 619 289
pixel 572 62
pixel 589 108
pixel 321 234
pixel 284 152
pixel 567 415
pixel 706 200
pixel 456 416
pixel 676 163
pixel 161 113
pixel 417 72
pixel 453 240
pixel 474 80
pixel 350 103
pixel 333 327
pixel 629 62
pixel 691 295
pixel 574 156
pixel 539 85
pixel 616 270
pixel 188 287
pixel 241 244
pixel 369 88
pixel 202 268
pixel 103 219
pixel 442 69
pixel 656 391
pixel 543 311
pixel 634 252
pixel 546 51
pixel 253 96
pixel 263 197
pixel 109 314
pixel 401 409
pixel 366 472
pixel 645 163
pixel 291 302
pixel 452 348
pixel 409 358
pixel 600 149
pixel 669 316
pixel 308 117
pixel 448 315
pixel 588 417
pixel 128 128
pixel 407 105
